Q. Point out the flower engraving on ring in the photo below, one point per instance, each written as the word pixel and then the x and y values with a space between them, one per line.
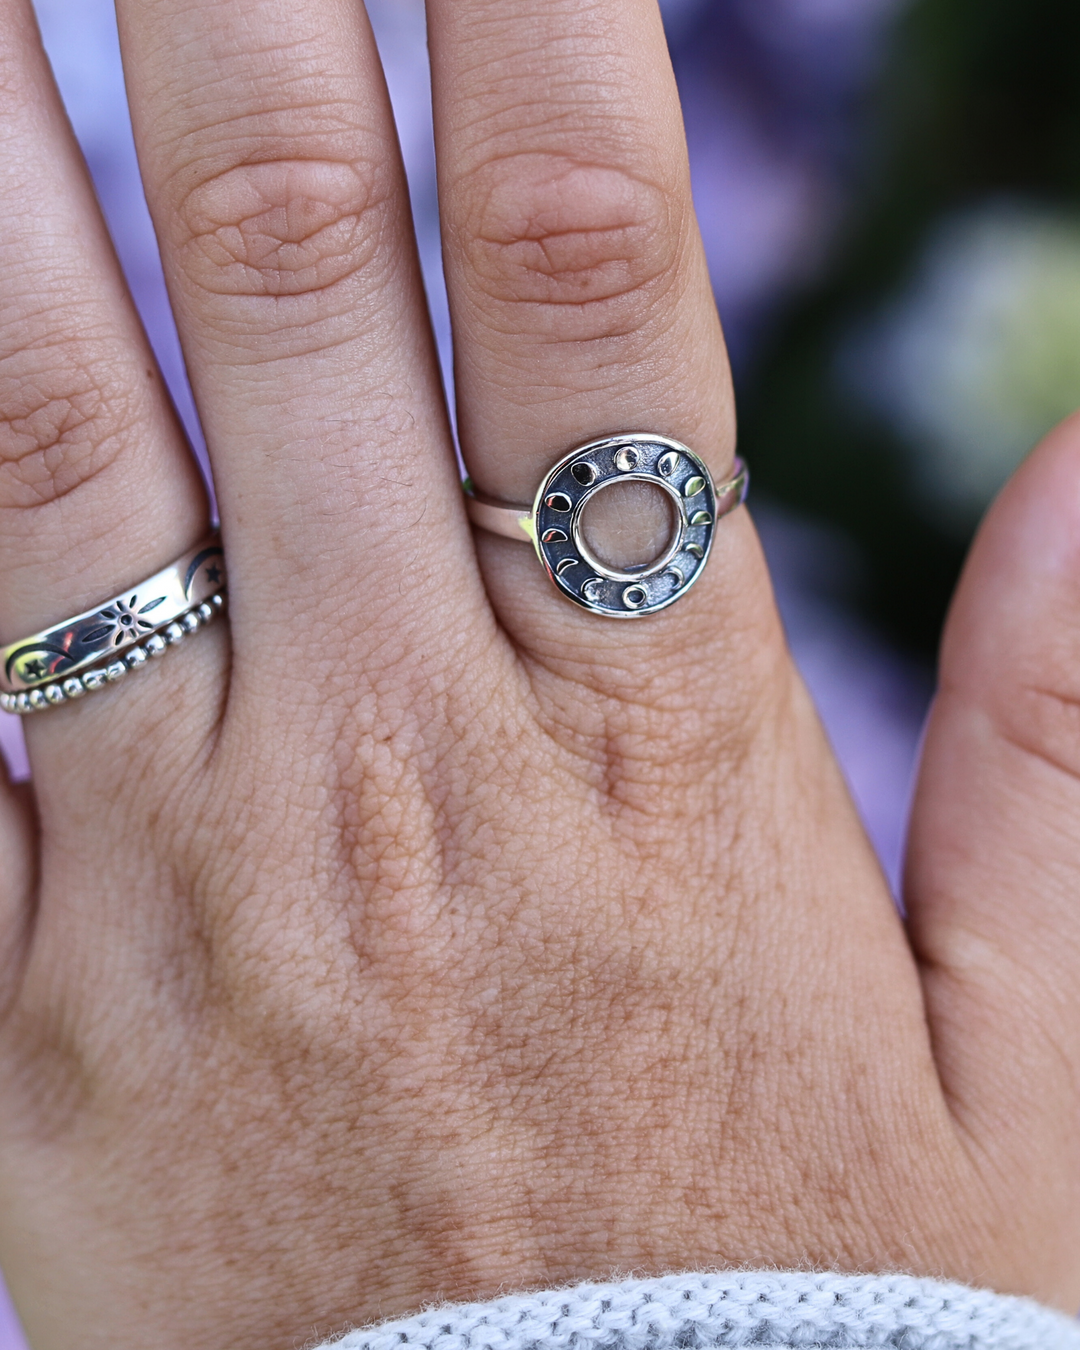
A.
pixel 123 622
pixel 76 686
pixel 120 628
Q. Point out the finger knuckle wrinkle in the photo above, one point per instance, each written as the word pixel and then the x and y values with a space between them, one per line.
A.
pixel 543 230
pixel 59 429
pixel 1043 723
pixel 281 228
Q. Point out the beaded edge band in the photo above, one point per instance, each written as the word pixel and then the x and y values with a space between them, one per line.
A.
pixel 76 686
pixel 98 636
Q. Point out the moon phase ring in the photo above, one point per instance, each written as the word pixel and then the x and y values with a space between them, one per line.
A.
pixel 554 524
pixel 100 646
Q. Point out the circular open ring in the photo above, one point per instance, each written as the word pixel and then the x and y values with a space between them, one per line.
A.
pixel 576 479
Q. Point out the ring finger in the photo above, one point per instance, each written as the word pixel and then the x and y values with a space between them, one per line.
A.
pixel 97 488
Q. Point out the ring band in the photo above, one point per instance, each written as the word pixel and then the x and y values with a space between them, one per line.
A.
pixel 554 522
pixel 105 642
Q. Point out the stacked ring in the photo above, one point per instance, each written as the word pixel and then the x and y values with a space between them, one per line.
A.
pixel 101 645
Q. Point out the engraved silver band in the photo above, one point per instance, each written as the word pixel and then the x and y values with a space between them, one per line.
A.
pixel 142 621
pixel 75 686
pixel 554 523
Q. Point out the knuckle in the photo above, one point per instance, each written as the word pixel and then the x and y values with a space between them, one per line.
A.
pixel 283 227
pixel 1042 721
pixel 63 420
pixel 545 231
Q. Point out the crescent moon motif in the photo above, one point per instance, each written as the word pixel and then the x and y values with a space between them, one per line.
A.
pixel 202 556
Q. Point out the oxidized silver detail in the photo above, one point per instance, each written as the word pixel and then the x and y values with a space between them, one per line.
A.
pixel 76 686
pixel 555 521
pixel 102 635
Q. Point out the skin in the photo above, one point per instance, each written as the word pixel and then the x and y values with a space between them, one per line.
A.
pixel 416 935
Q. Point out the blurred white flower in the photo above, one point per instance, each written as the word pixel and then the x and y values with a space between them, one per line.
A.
pixel 980 355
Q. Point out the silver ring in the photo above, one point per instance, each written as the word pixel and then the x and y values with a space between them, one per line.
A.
pixel 141 622
pixel 554 522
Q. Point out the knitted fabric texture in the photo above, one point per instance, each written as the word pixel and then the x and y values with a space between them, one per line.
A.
pixel 735 1308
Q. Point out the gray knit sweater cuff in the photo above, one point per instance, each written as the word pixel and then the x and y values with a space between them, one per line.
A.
pixel 735 1308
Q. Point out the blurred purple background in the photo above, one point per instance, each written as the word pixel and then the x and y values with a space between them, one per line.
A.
pixel 773 91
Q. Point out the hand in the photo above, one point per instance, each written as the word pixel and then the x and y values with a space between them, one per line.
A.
pixel 416 934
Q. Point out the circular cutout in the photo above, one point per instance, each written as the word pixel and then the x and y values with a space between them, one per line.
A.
pixel 628 524
pixel 623 525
